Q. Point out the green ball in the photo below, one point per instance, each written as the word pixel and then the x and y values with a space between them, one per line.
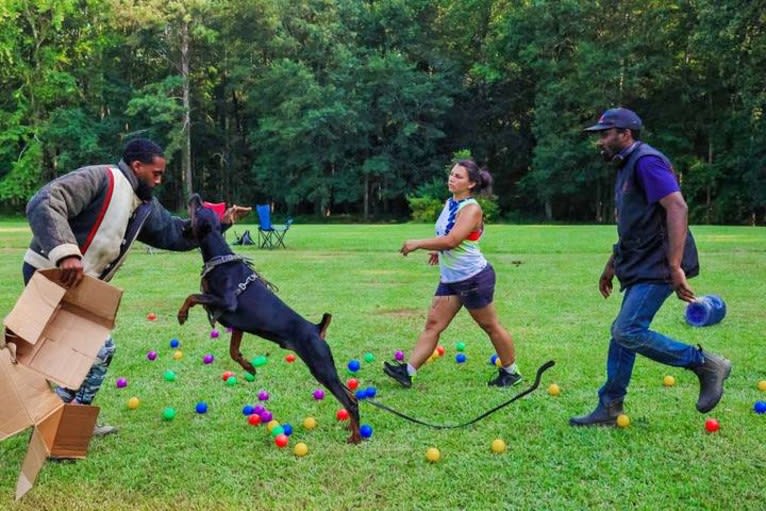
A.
pixel 460 346
pixel 369 357
pixel 231 381
pixel 260 361
pixel 277 430
pixel 249 376
pixel 170 375
pixel 168 414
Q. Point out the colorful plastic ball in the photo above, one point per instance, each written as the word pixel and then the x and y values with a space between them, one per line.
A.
pixel 287 428
pixel 270 424
pixel 498 363
pixel 354 365
pixel 309 423
pixel 365 430
pixel 712 425
pixel 493 359
pixel 152 355
pixel 260 360
pixel 399 356
pixel 231 381
pixel 249 376
pixel 289 358
pixel 168 414
pixel 266 416
pixel 214 334
pixel 281 441
pixel 498 446
pixel 554 389
pixel 248 410
pixel 300 449
pixel 460 358
pixel 226 375
pixel 342 414
pixel 178 355
pixel 151 316
pixel 352 383
pixel 361 394
pixel 460 346
pixel 133 403
pixel 208 359
pixel 254 419
pixel 169 375
pixel 277 430
pixel 762 385
pixel 668 381
pixel 370 392
pixel 433 455
pixel 174 343
pixel 318 394
pixel 201 407
pixel 259 409
pixel 369 357
pixel 263 395
pixel 759 407
pixel 623 421
pixel 121 383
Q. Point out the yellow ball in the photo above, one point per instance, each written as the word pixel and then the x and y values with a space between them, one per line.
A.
pixel 272 424
pixel 623 420
pixel 498 363
pixel 762 385
pixel 433 455
pixel 554 390
pixel 668 381
pixel 178 355
pixel 133 403
pixel 498 445
pixel 301 449
pixel 309 423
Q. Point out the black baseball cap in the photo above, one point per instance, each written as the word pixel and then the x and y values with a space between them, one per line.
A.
pixel 617 118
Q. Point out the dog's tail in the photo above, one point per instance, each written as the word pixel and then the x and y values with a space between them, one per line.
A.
pixel 324 324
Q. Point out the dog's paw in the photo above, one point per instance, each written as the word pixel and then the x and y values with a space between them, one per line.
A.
pixel 355 438
pixel 182 317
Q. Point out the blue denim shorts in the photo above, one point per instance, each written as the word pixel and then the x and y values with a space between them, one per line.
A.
pixel 475 292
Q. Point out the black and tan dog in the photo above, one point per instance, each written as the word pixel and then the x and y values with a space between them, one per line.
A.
pixel 234 295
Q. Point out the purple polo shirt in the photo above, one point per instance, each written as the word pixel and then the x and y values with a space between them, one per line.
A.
pixel 657 179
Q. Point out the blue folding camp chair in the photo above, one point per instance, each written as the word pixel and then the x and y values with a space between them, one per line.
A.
pixel 270 236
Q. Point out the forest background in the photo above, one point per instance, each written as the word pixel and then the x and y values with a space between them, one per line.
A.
pixel 350 110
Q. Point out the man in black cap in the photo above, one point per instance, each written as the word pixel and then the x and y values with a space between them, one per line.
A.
pixel 654 255
pixel 84 223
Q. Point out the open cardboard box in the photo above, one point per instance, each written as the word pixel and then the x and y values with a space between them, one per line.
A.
pixel 57 331
pixel 53 333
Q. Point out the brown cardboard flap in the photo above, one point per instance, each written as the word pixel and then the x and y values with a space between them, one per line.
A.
pixel 99 298
pixel 34 308
pixel 25 397
pixel 67 433
pixel 33 462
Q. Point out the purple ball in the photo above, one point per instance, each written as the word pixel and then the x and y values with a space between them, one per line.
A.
pixel 319 394
pixel 266 416
pixel 122 383
pixel 258 409
pixel 152 355
pixel 263 396
pixel 214 334
pixel 399 356
pixel 208 359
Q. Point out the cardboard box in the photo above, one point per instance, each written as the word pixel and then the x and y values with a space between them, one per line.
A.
pixel 60 429
pixel 57 331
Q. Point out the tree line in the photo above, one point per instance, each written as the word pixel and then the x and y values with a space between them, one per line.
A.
pixel 347 108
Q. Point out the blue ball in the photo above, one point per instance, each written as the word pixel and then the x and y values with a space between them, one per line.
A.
pixel 174 343
pixel 201 407
pixel 361 394
pixel 370 392
pixel 460 358
pixel 365 430
pixel 354 366
pixel 287 429
pixel 493 359
pixel 248 410
pixel 759 407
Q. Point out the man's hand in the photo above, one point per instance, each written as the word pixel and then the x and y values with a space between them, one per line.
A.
pixel 71 271
pixel 605 281
pixel 681 285
pixel 235 214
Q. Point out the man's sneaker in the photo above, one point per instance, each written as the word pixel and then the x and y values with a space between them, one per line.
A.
pixel 398 372
pixel 505 379
pixel 601 416
pixel 103 430
pixel 712 373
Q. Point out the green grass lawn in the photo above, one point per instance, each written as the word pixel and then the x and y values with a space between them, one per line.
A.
pixel 379 299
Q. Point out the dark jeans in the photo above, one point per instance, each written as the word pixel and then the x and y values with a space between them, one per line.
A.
pixel 631 335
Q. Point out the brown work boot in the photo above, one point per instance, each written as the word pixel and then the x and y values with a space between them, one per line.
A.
pixel 712 373
pixel 601 416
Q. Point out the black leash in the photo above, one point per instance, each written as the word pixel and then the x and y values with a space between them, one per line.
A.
pixel 532 388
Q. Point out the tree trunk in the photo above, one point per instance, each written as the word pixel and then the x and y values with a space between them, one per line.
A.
pixel 186 129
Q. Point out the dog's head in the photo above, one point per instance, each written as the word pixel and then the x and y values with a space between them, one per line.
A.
pixel 204 219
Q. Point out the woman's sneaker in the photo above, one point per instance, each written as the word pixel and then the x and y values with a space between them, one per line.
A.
pixel 398 372
pixel 505 379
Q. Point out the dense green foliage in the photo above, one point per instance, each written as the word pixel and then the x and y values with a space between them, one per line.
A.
pixel 345 107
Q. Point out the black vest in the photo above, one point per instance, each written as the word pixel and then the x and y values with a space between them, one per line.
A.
pixel 641 254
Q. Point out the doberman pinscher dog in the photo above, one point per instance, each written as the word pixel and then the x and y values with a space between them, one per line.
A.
pixel 237 297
